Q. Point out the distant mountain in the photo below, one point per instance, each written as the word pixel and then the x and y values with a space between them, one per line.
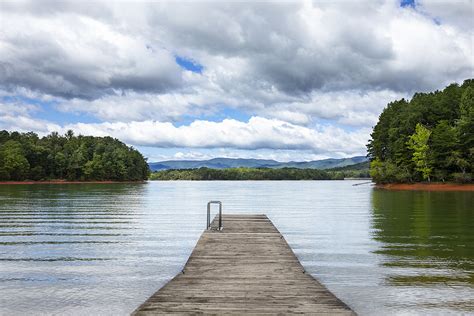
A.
pixel 224 163
pixel 324 163
pixel 361 166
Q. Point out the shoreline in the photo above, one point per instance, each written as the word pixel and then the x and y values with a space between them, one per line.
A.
pixel 66 182
pixel 426 187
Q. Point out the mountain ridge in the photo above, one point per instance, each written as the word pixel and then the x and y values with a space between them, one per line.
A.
pixel 224 163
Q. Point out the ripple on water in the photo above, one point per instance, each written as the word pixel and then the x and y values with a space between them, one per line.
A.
pixel 103 249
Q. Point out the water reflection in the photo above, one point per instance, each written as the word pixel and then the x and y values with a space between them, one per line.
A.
pixel 103 249
pixel 427 244
pixel 75 249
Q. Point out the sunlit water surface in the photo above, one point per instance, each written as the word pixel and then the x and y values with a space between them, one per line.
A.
pixel 105 248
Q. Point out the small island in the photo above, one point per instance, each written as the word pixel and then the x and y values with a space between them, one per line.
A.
pixel 68 158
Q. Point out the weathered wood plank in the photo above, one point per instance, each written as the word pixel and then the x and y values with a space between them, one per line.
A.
pixel 247 268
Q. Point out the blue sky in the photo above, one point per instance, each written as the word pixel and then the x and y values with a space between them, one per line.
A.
pixel 407 3
pixel 189 64
pixel 200 80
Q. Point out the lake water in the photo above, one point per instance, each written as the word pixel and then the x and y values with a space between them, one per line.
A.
pixel 105 248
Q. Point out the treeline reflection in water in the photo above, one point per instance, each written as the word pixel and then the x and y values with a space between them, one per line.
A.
pixel 427 243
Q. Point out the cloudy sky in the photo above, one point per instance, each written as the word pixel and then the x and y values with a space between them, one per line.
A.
pixel 296 80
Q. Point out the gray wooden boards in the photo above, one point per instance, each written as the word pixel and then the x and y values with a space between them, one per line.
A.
pixel 247 268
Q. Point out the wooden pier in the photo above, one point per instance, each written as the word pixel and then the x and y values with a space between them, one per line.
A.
pixel 246 268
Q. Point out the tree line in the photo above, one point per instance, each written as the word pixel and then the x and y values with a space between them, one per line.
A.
pixel 26 156
pixel 258 174
pixel 429 138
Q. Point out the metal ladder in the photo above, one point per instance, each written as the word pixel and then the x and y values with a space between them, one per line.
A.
pixel 208 227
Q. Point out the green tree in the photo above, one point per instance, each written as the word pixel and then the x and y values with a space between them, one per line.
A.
pixel 418 142
pixel 466 121
pixel 94 169
pixel 377 170
pixel 444 143
pixel 449 114
pixel 26 156
pixel 59 165
pixel 14 164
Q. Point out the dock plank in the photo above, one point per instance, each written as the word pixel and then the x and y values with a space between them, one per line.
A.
pixel 247 268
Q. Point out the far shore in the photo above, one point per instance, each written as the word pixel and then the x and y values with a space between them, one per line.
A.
pixel 427 186
pixel 66 182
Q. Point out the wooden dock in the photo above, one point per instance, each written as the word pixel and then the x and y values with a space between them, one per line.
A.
pixel 247 268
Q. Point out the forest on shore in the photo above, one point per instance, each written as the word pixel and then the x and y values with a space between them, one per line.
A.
pixel 429 138
pixel 26 156
pixel 353 171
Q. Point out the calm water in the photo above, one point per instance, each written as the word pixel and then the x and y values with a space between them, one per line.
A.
pixel 89 249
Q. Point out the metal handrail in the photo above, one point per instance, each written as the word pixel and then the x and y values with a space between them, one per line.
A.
pixel 209 214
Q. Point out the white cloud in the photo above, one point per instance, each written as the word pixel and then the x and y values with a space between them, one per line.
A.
pixel 257 133
pixel 74 55
pixel 289 65
pixel 193 155
pixel 456 13
pixel 16 108
pixel 266 50
pixel 21 123
pixel 300 47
